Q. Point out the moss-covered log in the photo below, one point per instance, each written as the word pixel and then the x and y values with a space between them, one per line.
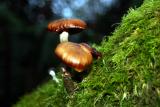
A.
pixel 127 75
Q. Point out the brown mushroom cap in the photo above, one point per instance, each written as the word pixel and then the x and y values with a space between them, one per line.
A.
pixel 71 26
pixel 74 55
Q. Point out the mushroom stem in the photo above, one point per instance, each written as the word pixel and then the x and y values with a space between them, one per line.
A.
pixel 64 36
pixel 68 83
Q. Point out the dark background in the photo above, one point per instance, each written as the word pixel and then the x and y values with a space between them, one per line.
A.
pixel 27 48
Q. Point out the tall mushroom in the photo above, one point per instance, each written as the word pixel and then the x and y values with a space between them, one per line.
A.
pixel 66 26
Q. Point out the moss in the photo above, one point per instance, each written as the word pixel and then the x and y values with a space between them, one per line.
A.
pixel 127 75
pixel 45 96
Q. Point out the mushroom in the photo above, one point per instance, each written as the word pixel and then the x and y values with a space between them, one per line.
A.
pixel 66 26
pixel 76 56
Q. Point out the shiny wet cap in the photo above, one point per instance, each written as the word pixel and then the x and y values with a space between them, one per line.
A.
pixel 71 26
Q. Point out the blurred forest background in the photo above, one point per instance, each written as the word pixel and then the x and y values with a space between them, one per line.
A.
pixel 27 48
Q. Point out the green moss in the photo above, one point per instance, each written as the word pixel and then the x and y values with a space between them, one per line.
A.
pixel 47 95
pixel 127 75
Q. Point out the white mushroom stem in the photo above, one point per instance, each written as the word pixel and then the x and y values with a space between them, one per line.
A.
pixel 64 36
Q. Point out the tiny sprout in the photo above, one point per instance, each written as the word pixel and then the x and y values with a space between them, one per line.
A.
pixel 52 73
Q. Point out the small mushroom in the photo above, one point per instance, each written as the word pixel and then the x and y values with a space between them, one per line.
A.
pixel 66 26
pixel 74 55
pixel 78 57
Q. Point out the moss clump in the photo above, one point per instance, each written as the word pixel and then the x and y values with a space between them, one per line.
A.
pixel 47 95
pixel 127 75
